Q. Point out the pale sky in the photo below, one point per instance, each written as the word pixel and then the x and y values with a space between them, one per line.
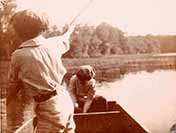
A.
pixel 134 17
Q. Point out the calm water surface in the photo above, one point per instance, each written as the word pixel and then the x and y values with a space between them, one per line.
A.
pixel 150 98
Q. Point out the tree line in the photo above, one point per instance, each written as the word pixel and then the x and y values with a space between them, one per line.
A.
pixel 88 41
pixel 104 39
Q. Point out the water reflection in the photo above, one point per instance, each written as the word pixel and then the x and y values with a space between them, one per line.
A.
pixel 149 97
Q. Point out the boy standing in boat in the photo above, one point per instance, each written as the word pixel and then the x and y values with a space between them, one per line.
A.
pixel 37 64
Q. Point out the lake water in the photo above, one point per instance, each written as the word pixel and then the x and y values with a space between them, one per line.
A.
pixel 150 98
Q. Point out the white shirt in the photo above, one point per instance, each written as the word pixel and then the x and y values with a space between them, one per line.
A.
pixel 37 62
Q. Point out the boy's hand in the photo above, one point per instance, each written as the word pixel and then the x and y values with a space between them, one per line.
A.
pixel 76 105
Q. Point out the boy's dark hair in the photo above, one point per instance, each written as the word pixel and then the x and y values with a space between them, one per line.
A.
pixel 85 73
pixel 28 24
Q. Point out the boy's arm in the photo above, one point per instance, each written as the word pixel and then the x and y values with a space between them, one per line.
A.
pixel 62 39
pixel 53 31
pixel 14 83
pixel 90 95
pixel 91 92
pixel 12 91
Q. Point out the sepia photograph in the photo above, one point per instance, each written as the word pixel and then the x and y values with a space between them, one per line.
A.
pixel 87 66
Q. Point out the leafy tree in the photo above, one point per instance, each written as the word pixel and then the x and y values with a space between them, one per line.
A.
pixel 80 41
pixel 112 39
pixel 7 8
pixel 143 44
pixel 168 43
pixel 89 41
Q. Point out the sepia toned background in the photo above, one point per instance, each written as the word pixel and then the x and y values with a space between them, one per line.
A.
pixel 131 44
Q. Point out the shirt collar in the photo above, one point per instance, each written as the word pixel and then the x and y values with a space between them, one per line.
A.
pixel 33 42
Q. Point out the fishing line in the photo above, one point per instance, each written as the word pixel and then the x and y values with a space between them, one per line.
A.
pixel 81 11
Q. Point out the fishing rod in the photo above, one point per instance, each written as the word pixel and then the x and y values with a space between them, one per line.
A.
pixel 66 27
pixel 80 12
pixel 85 7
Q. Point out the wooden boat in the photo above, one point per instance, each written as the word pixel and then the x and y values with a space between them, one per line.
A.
pixel 116 120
